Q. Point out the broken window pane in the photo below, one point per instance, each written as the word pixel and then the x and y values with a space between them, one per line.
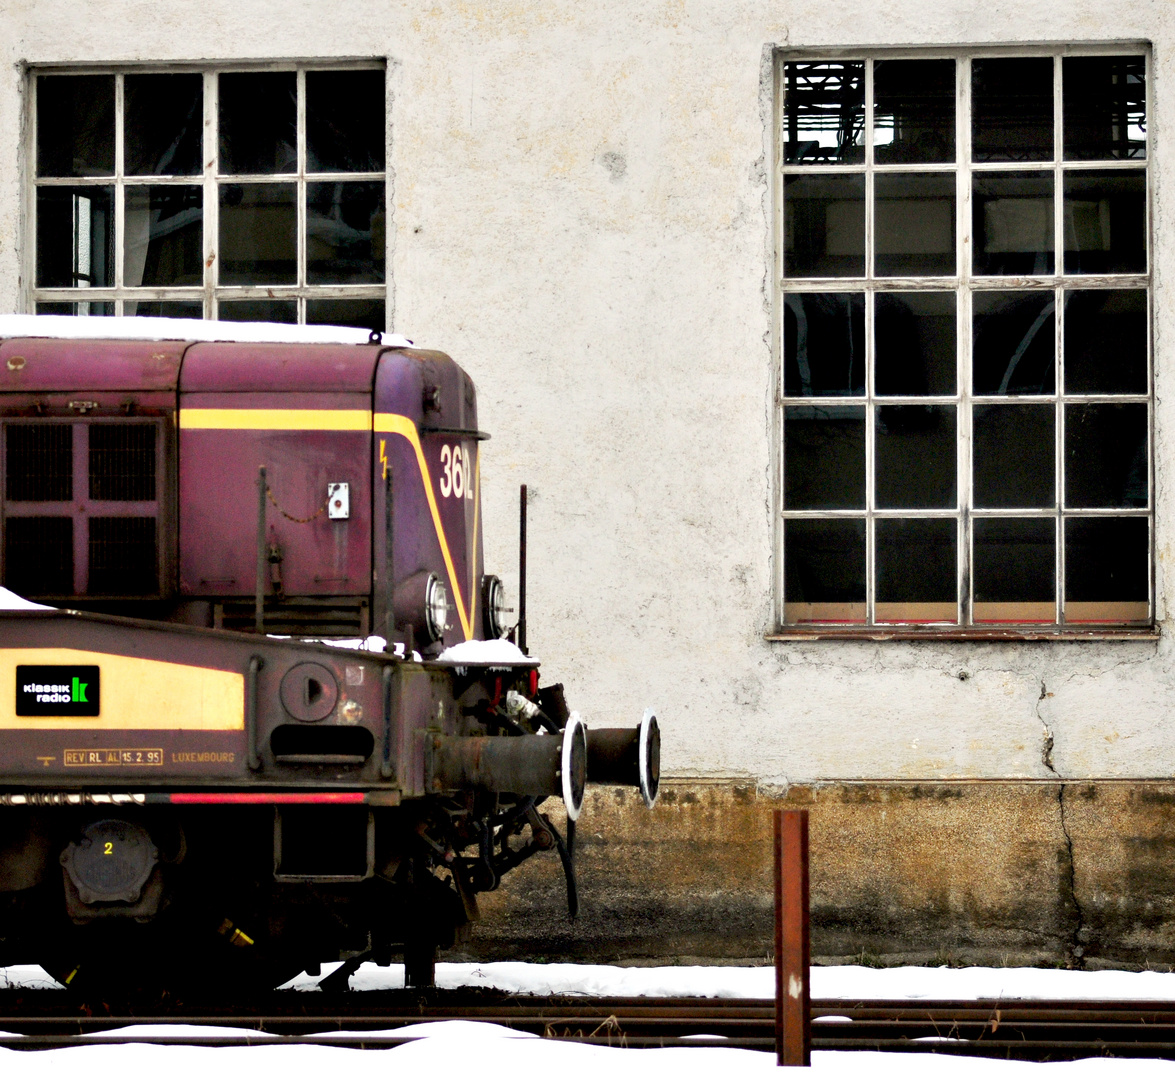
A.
pixel 824 226
pixel 1105 455
pixel 914 341
pixel 1104 106
pixel 1012 219
pixel 917 578
pixel 164 125
pixel 368 314
pixel 1105 222
pixel 824 451
pixel 914 224
pixel 1015 569
pixel 345 233
pixel 1107 569
pixel 75 125
pixel 915 457
pixel 1105 341
pixel 824 112
pixel 824 563
pixel 1012 109
pixel 913 111
pixel 279 311
pixel 1014 342
pixel 1013 456
pixel 823 344
pixel 345 121
pixel 164 235
pixel 258 132
pixel 258 234
pixel 75 237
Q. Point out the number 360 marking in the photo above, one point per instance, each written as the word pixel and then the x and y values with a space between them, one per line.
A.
pixel 457 479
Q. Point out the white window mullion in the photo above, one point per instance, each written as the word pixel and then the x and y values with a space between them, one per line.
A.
pixel 966 566
pixel 302 209
pixel 118 208
pixel 211 162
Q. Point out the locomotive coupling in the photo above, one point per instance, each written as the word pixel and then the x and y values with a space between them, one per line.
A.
pixel 629 756
pixel 520 764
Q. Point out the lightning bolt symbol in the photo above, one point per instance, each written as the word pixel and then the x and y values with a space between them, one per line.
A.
pixel 383 456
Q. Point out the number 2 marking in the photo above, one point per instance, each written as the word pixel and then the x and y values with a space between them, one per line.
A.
pixel 457 478
pixel 109 848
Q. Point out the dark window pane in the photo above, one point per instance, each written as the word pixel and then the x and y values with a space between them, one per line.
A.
pixel 1012 218
pixel 38 462
pixel 64 307
pixel 824 226
pixel 824 458
pixel 258 234
pixel 1106 562
pixel 123 560
pixel 914 336
pixel 1015 569
pixel 166 309
pixel 917 579
pixel 122 462
pixel 914 224
pixel 825 570
pixel 1104 107
pixel 75 125
pixel 1105 341
pixel 279 311
pixel 1105 455
pixel 1012 109
pixel 38 556
pixel 345 233
pixel 913 111
pixel 915 457
pixel 1014 342
pixel 164 133
pixel 1013 454
pixel 258 113
pixel 75 237
pixel 345 121
pixel 367 314
pixel 824 111
pixel 164 231
pixel 1105 222
pixel 823 344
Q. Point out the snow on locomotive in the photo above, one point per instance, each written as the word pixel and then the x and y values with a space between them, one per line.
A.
pixel 203 738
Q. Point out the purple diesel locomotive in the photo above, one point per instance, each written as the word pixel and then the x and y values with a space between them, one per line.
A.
pixel 264 700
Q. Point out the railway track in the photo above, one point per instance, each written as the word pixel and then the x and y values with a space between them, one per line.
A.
pixel 1026 1030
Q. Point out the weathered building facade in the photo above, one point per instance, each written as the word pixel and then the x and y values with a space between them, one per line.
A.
pixel 831 342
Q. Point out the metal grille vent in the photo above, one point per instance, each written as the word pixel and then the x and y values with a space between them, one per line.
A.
pixel 38 555
pixel 39 465
pixel 123 558
pixel 122 462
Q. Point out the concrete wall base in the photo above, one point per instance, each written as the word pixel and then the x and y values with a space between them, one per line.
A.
pixel 1005 873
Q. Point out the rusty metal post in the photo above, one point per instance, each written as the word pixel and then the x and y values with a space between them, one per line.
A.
pixel 262 556
pixel 793 1022
pixel 522 569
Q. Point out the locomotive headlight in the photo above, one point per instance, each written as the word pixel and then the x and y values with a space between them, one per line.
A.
pixel 436 607
pixel 493 605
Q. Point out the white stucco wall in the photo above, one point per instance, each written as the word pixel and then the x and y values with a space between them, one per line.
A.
pixel 582 219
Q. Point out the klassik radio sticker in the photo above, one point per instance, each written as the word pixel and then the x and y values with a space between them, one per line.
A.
pixel 58 690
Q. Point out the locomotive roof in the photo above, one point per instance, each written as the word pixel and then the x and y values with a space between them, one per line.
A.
pixel 139 328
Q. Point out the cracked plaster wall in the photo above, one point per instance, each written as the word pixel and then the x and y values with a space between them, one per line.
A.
pixel 581 216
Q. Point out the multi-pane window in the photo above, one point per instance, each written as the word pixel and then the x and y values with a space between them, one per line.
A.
pixel 214 193
pixel 965 377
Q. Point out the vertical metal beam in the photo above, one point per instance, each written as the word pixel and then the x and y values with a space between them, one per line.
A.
pixel 522 569
pixel 389 562
pixel 262 560
pixel 793 1023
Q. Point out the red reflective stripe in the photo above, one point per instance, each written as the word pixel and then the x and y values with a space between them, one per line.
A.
pixel 255 797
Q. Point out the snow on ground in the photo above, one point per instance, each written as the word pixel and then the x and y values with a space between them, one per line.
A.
pixel 9 601
pixel 454 1048
pixel 140 328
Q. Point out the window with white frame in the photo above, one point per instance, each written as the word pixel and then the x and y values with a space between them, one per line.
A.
pixel 211 192
pixel 965 389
